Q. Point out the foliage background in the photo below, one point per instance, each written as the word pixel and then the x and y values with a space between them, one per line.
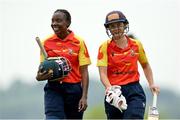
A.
pixel 25 101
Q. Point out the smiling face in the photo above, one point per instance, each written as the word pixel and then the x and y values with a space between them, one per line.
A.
pixel 60 23
pixel 117 29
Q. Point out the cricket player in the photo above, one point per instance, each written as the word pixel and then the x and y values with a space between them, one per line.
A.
pixel 117 61
pixel 65 98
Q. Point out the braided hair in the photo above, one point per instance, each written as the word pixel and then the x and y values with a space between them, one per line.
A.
pixel 67 15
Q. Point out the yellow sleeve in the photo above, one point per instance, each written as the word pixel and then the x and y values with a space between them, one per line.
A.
pixel 102 59
pixel 84 58
pixel 142 55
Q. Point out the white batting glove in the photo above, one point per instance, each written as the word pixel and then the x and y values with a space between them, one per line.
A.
pixel 115 98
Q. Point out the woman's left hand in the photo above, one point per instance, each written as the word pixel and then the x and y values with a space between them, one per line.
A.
pixel 82 104
pixel 155 89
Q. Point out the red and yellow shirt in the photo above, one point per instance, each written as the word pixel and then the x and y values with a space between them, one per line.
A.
pixel 73 48
pixel 122 65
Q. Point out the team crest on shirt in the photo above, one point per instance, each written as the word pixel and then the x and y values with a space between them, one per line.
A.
pixel 132 52
pixel 70 51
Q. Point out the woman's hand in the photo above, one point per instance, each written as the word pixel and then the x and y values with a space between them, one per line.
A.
pixel 154 89
pixel 44 75
pixel 82 104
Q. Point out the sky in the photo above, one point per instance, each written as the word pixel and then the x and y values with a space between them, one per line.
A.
pixel 154 22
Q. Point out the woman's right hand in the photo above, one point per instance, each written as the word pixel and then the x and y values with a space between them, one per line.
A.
pixel 107 89
pixel 44 75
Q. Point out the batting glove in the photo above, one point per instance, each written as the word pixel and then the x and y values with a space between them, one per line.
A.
pixel 114 97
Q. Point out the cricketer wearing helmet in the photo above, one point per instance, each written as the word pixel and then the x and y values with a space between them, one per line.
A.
pixel 117 61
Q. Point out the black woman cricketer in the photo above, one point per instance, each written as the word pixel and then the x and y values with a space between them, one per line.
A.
pixel 67 97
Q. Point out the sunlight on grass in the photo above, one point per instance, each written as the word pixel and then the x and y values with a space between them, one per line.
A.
pixel 95 113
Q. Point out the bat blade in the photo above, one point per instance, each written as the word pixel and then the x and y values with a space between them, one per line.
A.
pixel 153 113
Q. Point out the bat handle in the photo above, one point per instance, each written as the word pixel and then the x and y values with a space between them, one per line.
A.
pixel 41 47
pixel 154 100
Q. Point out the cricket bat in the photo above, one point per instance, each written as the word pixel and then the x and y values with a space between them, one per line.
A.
pixel 41 47
pixel 153 113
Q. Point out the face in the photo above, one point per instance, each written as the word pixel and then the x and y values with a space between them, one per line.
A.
pixel 117 29
pixel 59 23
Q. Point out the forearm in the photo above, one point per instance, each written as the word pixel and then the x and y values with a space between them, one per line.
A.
pixel 149 76
pixel 85 85
pixel 85 81
pixel 103 77
pixel 105 81
pixel 148 73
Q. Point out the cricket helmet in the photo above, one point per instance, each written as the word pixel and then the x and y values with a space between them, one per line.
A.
pixel 59 65
pixel 115 16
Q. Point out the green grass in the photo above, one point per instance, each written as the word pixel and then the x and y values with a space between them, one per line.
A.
pixel 99 113
pixel 95 112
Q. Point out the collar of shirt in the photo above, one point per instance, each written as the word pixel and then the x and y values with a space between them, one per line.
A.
pixel 113 44
pixel 68 38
